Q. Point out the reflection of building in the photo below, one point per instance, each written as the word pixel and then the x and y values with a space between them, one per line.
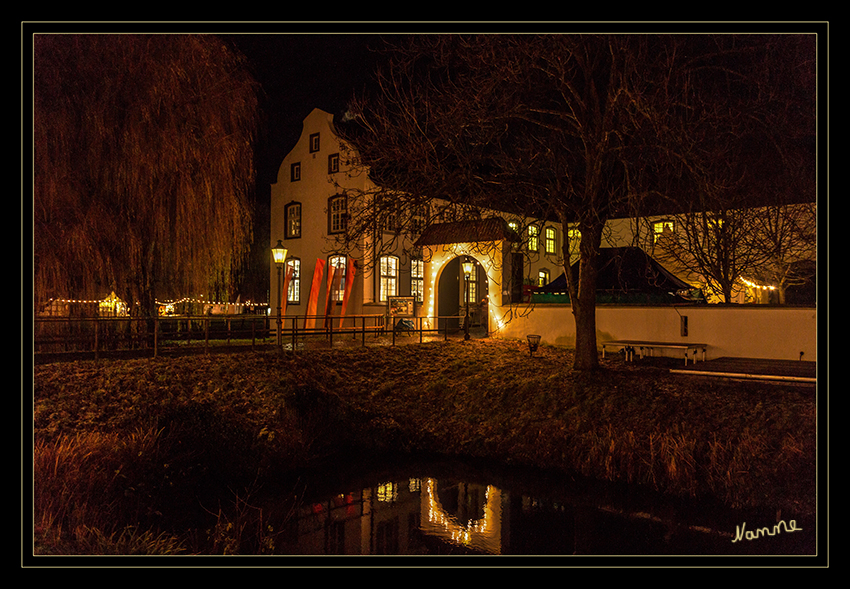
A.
pixel 398 517
pixel 464 514
pixel 431 516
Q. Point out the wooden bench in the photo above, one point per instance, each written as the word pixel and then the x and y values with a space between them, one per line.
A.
pixel 629 347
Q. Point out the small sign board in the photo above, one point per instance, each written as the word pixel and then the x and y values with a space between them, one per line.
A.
pixel 402 307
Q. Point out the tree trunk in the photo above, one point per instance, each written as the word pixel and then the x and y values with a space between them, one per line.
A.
pixel 584 308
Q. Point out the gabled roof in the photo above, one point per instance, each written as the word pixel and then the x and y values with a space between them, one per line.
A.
pixel 491 229
pixel 625 269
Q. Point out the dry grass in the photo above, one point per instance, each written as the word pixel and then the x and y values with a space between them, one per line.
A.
pixel 744 443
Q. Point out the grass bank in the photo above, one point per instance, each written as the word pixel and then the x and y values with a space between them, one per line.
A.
pixel 162 455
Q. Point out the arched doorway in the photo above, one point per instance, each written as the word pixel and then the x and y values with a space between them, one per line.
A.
pixel 452 296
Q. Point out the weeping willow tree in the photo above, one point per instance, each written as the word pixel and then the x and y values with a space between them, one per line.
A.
pixel 143 165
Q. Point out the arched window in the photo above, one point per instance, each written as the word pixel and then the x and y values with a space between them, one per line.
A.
pixel 293 292
pixel 338 261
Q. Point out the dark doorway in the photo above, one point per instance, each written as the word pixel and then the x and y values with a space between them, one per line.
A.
pixel 451 296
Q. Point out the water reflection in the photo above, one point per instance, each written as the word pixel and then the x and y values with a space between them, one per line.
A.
pixel 445 514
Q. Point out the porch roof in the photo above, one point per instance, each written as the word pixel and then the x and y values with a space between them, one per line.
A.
pixel 490 229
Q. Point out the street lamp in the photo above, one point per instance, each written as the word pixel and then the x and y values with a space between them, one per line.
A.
pixel 279 255
pixel 467 272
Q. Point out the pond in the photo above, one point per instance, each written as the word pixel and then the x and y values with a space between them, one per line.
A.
pixel 457 507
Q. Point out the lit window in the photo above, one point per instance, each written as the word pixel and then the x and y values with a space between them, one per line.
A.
pixel 549 240
pixel 293 293
pixel 295 172
pixel 417 279
pixel 292 215
pixel 337 210
pixel 341 263
pixel 387 492
pixel 533 238
pixel 389 277
pixel 574 236
pixel 543 277
pixel 659 227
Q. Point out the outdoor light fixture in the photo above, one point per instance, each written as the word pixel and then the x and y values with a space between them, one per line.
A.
pixel 467 269
pixel 467 272
pixel 533 342
pixel 279 255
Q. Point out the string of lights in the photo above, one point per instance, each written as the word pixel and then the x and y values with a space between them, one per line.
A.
pixel 752 284
pixel 158 302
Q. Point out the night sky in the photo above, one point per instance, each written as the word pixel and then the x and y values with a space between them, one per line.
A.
pixel 300 72
pixel 297 72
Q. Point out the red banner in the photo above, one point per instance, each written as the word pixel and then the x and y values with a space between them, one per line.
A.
pixel 313 303
pixel 333 285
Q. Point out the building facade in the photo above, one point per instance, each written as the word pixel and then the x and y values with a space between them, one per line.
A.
pixel 308 215
pixel 322 278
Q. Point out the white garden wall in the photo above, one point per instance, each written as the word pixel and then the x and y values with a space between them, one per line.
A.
pixel 741 331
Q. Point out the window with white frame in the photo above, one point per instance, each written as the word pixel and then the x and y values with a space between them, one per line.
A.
pixel 549 240
pixel 337 214
pixel 659 227
pixel 292 216
pixel 542 277
pixel 417 279
pixel 533 238
pixel 341 262
pixel 388 277
pixel 293 291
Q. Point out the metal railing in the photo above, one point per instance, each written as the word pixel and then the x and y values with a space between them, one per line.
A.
pixel 99 337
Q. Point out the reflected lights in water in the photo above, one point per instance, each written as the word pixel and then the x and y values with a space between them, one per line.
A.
pixel 482 533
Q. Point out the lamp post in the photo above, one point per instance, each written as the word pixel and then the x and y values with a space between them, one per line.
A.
pixel 467 272
pixel 279 255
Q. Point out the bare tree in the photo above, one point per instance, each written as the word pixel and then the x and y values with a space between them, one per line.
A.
pixel 744 129
pixel 143 148
pixel 542 127
pixel 786 234
pixel 579 129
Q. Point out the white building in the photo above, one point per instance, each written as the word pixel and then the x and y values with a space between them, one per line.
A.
pixel 309 211
pixel 308 208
